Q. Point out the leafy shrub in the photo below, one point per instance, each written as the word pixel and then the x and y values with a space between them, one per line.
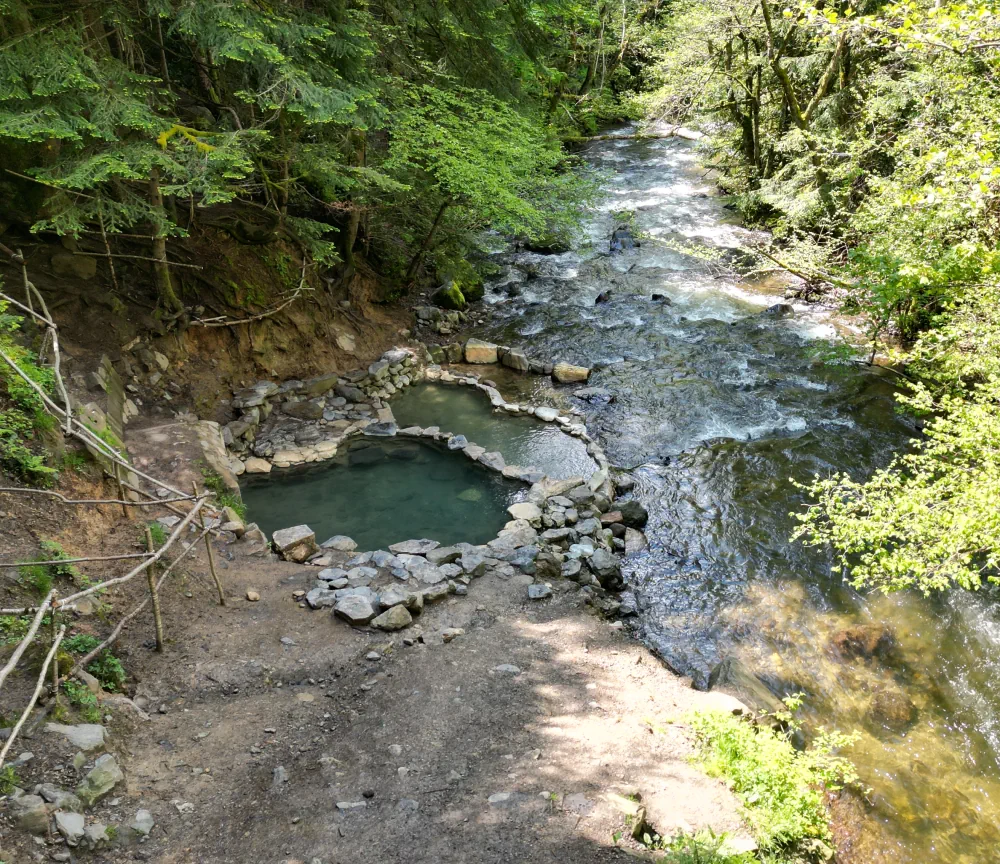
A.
pixel 80 643
pixel 41 577
pixel 8 780
pixel 108 669
pixel 85 701
pixel 781 788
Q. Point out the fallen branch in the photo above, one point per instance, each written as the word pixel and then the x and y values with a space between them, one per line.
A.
pixel 815 276
pixel 74 560
pixel 34 696
pixel 22 647
pixel 154 502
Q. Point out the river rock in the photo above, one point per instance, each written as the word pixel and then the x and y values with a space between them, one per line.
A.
pixel 493 461
pixel 395 618
pixel 296 543
pixel 566 373
pixel 30 813
pixel 444 555
pixel 473 563
pixel 606 568
pixel 101 779
pixel 778 310
pixel 866 641
pixel 256 465
pixel 589 527
pixel 571 569
pixel 321 598
pixel 634 515
pixel 525 510
pixel 340 543
pixel 354 609
pixel 457 442
pixel 474 451
pixel 546 414
pixel 414 547
pixel 319 385
pixel 733 677
pixel 548 565
pixel 95 836
pixel 523 558
pixel 516 359
pixel 478 351
pixel 310 410
pixel 88 737
pixel 142 824
pixel 429 574
pixel 635 541
pixel 71 826
pixel 892 708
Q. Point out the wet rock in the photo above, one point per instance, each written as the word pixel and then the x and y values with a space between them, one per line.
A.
pixel 449 296
pixel 256 465
pixel 595 395
pixel 457 442
pixel 865 641
pixel 414 547
pixel 493 461
pixel 624 483
pixel 88 737
pixel 539 591
pixel 477 351
pixel 30 813
pixel 103 777
pixel 474 451
pixel 566 373
pixel 603 297
pixel 778 310
pixel 70 826
pixel 733 677
pixel 635 541
pixel 354 609
pixel 634 515
pixel 296 543
pixel 622 240
pixel 891 708
pixel 395 618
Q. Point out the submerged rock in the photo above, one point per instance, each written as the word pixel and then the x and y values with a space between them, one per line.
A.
pixel 634 515
pixel 733 677
pixel 891 708
pixel 866 641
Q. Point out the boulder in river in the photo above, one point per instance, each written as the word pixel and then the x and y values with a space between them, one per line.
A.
pixel 892 709
pixel 865 641
pixel 603 297
pixel 733 677
pixel 449 296
pixel 567 373
pixel 634 515
pixel 622 239
pixel 778 310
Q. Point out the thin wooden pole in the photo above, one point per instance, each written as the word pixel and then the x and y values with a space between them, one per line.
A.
pixel 154 595
pixel 121 489
pixel 55 662
pixel 211 554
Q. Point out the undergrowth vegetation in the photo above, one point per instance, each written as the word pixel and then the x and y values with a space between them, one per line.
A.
pixel 781 788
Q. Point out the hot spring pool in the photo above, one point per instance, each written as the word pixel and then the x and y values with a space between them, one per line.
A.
pixel 521 441
pixel 380 491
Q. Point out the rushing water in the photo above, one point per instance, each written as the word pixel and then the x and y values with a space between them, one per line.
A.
pixel 380 491
pixel 717 405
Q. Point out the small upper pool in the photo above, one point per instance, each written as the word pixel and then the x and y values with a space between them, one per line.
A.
pixel 522 441
pixel 380 491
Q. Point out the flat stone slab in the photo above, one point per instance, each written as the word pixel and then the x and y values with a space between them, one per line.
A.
pixel 478 351
pixel 354 609
pixel 87 737
pixel 288 538
pixel 414 547
pixel 525 510
pixel 546 414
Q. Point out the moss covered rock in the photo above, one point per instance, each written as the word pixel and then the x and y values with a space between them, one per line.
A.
pixel 449 296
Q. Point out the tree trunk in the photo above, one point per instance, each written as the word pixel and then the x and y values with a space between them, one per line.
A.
pixel 162 269
pixel 349 235
pixel 411 271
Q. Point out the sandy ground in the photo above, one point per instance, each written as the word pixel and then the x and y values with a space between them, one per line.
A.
pixel 275 719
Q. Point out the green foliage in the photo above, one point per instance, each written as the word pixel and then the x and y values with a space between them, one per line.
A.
pixel 224 496
pixel 13 628
pixel 41 577
pixel 109 670
pixel 781 788
pixel 157 532
pixel 8 780
pixel 22 418
pixel 86 702
pixel 80 643
pixel 701 848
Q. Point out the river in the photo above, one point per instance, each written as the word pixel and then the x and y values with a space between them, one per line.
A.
pixel 716 405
